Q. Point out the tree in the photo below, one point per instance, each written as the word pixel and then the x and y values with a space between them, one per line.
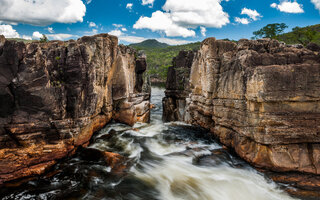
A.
pixel 303 35
pixel 44 38
pixel 270 31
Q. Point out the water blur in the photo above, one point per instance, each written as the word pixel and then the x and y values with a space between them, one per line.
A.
pixel 165 161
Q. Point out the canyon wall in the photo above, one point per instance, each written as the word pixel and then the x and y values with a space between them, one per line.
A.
pixel 260 98
pixel 55 95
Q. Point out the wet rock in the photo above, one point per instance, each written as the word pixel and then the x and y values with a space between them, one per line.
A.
pixel 55 95
pixel 260 98
pixel 117 163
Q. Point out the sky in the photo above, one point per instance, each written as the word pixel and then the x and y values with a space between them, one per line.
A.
pixel 171 21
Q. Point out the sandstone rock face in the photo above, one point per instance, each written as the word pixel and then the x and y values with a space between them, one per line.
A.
pixel 261 98
pixel 177 87
pixel 55 95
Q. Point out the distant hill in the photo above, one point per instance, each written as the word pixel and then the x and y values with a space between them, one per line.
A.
pixel 152 43
pixel 295 38
pixel 160 55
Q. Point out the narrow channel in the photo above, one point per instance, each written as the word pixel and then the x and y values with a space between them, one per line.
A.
pixel 165 161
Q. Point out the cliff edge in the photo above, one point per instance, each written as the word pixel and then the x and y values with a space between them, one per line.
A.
pixel 260 98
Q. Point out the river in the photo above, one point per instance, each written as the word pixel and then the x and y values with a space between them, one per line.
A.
pixel 166 161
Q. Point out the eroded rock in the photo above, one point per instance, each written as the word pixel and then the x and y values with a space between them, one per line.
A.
pixel 261 98
pixel 55 95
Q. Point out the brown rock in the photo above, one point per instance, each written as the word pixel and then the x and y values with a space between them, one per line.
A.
pixel 55 95
pixel 260 98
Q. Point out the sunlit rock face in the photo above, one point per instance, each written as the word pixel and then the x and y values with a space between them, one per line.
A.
pixel 55 95
pixel 261 98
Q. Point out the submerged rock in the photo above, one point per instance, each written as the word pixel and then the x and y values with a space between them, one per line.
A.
pixel 55 95
pixel 261 98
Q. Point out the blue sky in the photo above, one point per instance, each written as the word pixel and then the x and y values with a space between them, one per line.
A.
pixel 170 21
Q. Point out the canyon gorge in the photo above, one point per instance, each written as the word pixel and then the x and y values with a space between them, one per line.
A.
pixel 77 116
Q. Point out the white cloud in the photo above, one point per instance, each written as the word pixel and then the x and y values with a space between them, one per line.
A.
pixel 162 22
pixel 203 31
pixel 316 4
pixel 60 36
pixel 124 29
pixel 253 14
pixel 115 33
pixel 42 12
pixel 26 37
pixel 129 6
pixel 148 2
pixel 92 32
pixel 8 31
pixel 181 16
pixel 36 35
pixel 92 24
pixel 89 1
pixel 117 25
pixel 289 6
pixel 241 20
pixel 50 29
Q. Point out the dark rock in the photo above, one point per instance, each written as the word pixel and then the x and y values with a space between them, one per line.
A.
pixel 55 95
pixel 177 87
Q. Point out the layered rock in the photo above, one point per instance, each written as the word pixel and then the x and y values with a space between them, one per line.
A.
pixel 55 95
pixel 261 98
pixel 177 87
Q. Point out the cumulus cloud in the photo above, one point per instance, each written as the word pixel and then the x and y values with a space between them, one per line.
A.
pixel 289 6
pixel 316 4
pixel 124 29
pixel 203 31
pixel 253 14
pixel 60 36
pixel 241 20
pixel 115 33
pixel 181 16
pixel 92 24
pixel 162 22
pixel 26 37
pixel 148 2
pixel 50 29
pixel 36 35
pixel 42 12
pixel 8 31
pixel 129 6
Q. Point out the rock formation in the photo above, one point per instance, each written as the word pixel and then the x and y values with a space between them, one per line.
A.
pixel 55 95
pixel 177 87
pixel 262 99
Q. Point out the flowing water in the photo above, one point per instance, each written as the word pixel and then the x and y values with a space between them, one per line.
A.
pixel 165 161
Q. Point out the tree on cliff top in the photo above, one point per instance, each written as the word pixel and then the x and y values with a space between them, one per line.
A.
pixel 270 31
pixel 44 39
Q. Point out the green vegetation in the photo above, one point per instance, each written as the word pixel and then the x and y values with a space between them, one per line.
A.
pixel 302 36
pixel 159 56
pixel 44 39
pixel 270 31
pixel 20 40
pixel 298 35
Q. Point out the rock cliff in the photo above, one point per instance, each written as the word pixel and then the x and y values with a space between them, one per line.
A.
pixel 177 87
pixel 55 95
pixel 262 99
